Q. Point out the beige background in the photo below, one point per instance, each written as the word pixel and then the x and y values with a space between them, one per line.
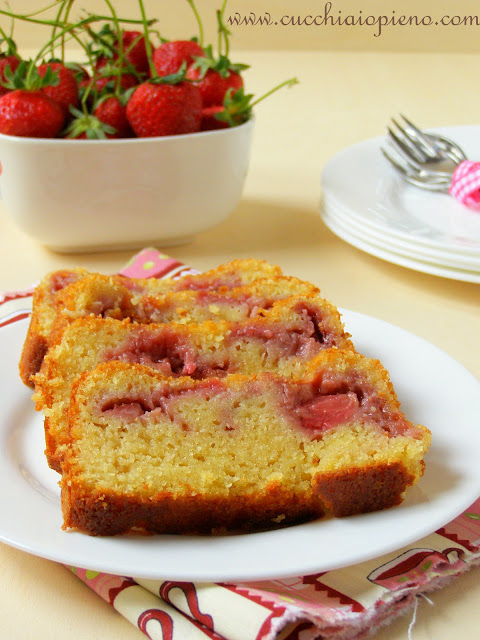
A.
pixel 175 21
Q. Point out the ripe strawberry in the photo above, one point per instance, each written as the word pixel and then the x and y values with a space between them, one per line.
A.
pixel 213 85
pixel 164 109
pixel 112 112
pixel 30 114
pixel 106 49
pixel 210 122
pixel 10 61
pixel 169 56
pixel 79 71
pixel 66 91
pixel 233 81
pixel 108 76
pixel 215 76
pixel 135 51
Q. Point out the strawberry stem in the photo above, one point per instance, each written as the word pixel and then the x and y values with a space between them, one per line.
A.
pixel 85 21
pixel 8 40
pixel 287 83
pixel 42 10
pixel 31 69
pixel 54 29
pixel 237 105
pixel 68 29
pixel 148 45
pixel 133 21
pixel 29 18
pixel 223 32
pixel 121 52
pixel 68 8
pixel 199 21
pixel 58 18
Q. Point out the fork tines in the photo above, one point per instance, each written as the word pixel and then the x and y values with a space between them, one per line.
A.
pixel 414 153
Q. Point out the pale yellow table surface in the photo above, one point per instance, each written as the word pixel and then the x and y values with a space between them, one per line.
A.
pixel 343 98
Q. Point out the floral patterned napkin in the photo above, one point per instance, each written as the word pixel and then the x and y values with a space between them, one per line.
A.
pixel 343 604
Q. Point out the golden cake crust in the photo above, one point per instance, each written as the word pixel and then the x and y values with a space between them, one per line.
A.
pixel 363 490
pixel 104 513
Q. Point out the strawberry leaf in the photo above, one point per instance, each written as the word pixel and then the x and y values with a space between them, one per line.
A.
pixel 104 43
pixel 11 47
pixel 173 78
pixel 123 96
pixel 27 77
pixel 78 71
pixel 89 125
pixel 225 67
pixel 237 107
pixel 203 64
pixel 222 64
pixel 49 79
pixel 9 75
pixel 115 68
pixel 238 67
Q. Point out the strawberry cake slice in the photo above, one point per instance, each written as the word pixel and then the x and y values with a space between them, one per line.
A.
pixel 107 297
pixel 78 292
pixel 282 340
pixel 43 316
pixel 238 453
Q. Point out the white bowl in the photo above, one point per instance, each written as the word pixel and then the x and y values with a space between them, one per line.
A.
pixel 97 195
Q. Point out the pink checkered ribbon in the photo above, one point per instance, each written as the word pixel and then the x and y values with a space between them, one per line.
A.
pixel 465 185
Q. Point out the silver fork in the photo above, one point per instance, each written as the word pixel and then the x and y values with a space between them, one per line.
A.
pixel 426 160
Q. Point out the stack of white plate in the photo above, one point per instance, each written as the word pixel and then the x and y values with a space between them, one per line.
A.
pixel 367 204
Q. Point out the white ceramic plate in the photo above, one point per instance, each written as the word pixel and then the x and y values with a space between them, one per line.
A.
pixel 334 211
pixel 359 183
pixel 380 247
pixel 436 391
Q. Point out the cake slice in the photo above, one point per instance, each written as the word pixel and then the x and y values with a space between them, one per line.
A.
pixel 234 304
pixel 282 340
pixel 166 455
pixel 109 297
pixel 43 316
pixel 79 292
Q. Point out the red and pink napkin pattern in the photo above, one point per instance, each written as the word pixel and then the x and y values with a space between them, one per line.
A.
pixel 343 604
